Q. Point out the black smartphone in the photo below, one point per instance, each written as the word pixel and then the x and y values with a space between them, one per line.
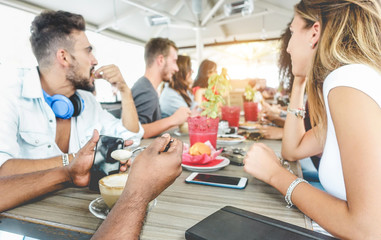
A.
pixel 235 159
pixel 103 163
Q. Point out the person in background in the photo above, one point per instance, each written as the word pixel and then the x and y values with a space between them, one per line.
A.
pixel 260 85
pixel 207 68
pixel 125 220
pixel 160 55
pixel 177 92
pixel 343 88
pixel 49 113
pixel 274 113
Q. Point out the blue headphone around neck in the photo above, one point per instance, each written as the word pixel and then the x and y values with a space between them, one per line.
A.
pixel 64 107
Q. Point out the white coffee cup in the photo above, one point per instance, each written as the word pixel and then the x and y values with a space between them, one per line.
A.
pixel 111 187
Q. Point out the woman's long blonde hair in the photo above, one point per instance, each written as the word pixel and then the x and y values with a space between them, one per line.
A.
pixel 350 34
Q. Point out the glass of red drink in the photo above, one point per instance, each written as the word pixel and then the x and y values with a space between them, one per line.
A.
pixel 231 114
pixel 251 111
pixel 202 129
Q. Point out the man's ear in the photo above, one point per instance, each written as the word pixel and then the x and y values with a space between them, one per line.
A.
pixel 316 30
pixel 160 60
pixel 63 57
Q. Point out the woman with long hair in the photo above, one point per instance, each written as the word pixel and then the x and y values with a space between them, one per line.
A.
pixel 207 68
pixel 335 51
pixel 177 92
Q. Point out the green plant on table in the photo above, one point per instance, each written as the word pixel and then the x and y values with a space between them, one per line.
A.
pixel 218 84
pixel 250 94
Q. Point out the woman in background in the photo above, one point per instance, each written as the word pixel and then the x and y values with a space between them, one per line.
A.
pixel 177 92
pixel 207 68
pixel 335 50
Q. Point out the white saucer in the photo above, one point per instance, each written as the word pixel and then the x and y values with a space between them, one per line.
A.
pixel 236 139
pixel 179 134
pixel 99 208
pixel 217 167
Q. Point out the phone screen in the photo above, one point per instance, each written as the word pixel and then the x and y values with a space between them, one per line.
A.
pixel 104 164
pixel 217 179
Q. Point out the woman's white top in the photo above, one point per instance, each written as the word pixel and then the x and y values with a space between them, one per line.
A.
pixel 365 79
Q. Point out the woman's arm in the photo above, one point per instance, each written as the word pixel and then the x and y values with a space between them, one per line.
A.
pixel 359 216
pixel 198 96
pixel 297 143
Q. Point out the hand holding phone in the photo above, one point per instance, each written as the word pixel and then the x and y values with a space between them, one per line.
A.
pixel 217 180
pixel 103 163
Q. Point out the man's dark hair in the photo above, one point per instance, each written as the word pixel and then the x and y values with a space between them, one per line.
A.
pixel 156 47
pixel 50 31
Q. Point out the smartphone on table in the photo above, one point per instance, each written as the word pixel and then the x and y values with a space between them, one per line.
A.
pixel 103 163
pixel 235 159
pixel 217 180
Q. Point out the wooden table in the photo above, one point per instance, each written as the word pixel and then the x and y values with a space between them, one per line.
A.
pixel 178 208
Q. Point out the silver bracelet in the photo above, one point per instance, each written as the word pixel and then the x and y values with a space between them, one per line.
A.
pixel 65 159
pixel 290 189
pixel 299 113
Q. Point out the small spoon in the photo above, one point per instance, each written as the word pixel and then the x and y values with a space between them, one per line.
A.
pixel 121 155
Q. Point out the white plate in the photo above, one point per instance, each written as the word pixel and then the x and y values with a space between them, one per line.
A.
pixel 99 208
pixel 179 134
pixel 217 167
pixel 250 126
pixel 236 139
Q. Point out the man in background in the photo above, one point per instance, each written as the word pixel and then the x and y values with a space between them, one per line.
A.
pixel 160 55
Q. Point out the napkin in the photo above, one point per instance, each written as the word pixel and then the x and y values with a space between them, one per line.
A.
pixel 203 160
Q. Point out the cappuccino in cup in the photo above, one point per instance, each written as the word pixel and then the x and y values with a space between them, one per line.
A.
pixel 111 187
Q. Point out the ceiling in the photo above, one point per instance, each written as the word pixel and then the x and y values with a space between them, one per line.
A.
pixel 127 19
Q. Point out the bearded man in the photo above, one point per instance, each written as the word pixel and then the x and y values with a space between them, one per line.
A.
pixel 160 56
pixel 49 113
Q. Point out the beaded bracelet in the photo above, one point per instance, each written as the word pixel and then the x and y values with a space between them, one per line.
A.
pixel 290 189
pixel 299 113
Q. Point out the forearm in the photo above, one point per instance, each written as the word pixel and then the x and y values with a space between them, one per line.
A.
pixel 129 114
pixel 125 220
pixel 329 212
pixel 18 189
pixel 156 128
pixel 294 129
pixel 20 166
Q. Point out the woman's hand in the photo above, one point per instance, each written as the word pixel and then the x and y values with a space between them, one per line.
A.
pixel 270 132
pixel 261 162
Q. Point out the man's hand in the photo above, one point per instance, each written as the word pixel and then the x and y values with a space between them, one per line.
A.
pixel 112 74
pixel 124 166
pixel 154 170
pixel 79 167
pixel 181 115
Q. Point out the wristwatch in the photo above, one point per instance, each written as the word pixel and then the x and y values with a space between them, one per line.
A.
pixel 299 113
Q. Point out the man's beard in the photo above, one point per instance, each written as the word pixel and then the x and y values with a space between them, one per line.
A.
pixel 164 74
pixel 78 81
